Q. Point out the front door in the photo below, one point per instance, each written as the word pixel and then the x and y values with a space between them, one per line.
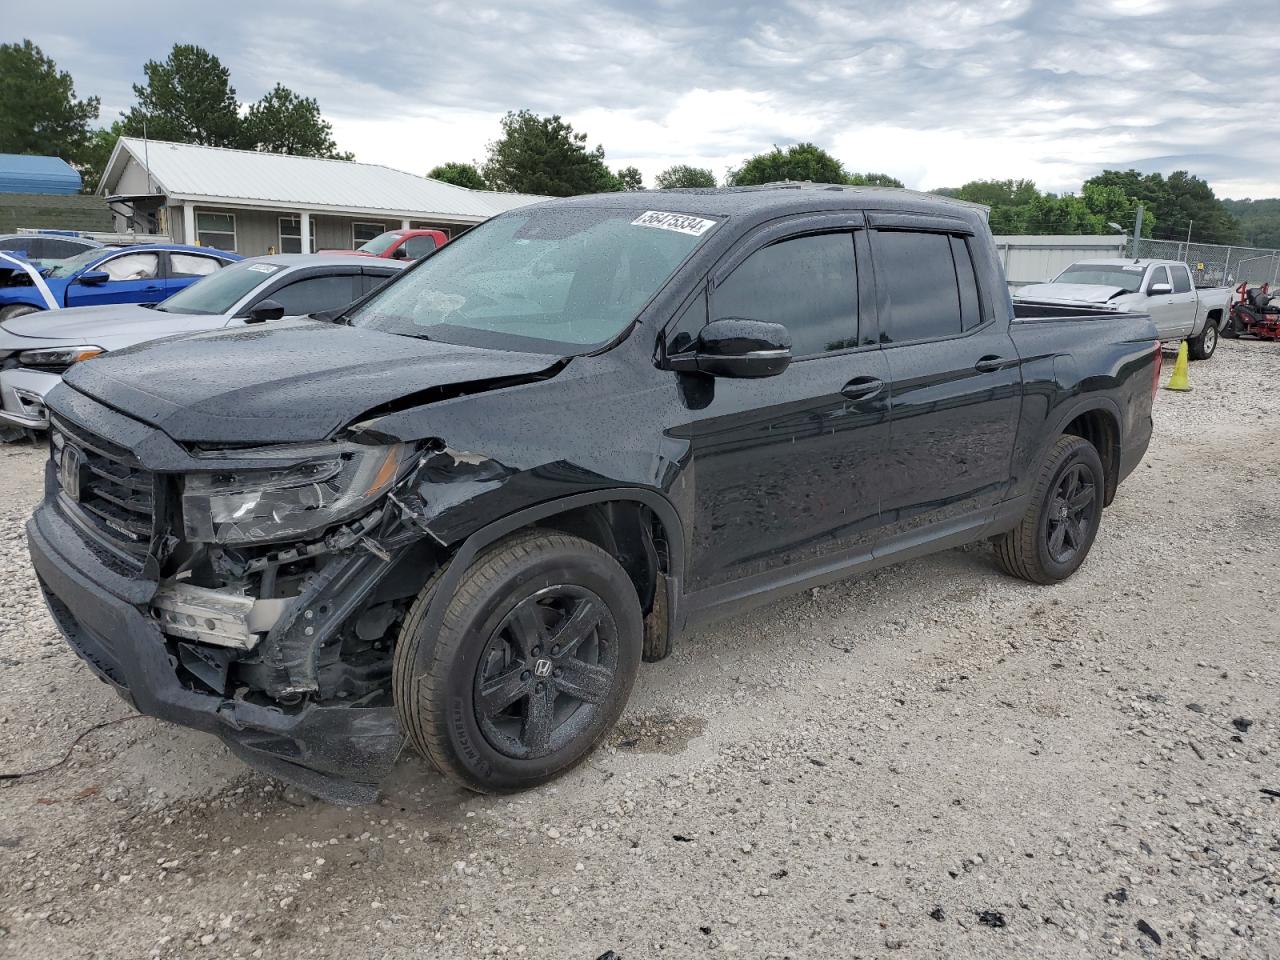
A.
pixel 785 469
pixel 955 384
pixel 1163 307
pixel 133 277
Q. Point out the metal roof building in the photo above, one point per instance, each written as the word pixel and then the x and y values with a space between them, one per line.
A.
pixel 255 203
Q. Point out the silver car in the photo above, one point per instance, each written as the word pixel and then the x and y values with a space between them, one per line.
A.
pixel 36 349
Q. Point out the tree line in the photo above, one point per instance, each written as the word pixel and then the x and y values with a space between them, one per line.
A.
pixel 189 98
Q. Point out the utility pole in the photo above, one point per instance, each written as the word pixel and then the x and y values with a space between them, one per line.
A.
pixel 1137 231
pixel 1189 223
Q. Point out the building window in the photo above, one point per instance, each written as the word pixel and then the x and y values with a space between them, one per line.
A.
pixel 291 235
pixel 364 232
pixel 217 230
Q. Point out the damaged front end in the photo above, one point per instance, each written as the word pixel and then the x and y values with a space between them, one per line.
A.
pixel 268 588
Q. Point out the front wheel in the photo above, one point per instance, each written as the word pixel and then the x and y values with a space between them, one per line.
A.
pixel 16 310
pixel 1055 534
pixel 1202 347
pixel 532 666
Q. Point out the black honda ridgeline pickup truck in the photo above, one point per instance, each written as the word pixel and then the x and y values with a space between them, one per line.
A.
pixel 464 511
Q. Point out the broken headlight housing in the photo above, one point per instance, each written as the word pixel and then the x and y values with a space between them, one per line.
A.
pixel 307 489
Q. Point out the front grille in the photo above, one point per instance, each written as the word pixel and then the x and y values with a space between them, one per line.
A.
pixel 105 487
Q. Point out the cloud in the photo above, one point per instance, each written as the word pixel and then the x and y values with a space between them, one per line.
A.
pixel 935 92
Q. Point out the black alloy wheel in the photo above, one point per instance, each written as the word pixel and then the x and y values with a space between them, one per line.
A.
pixel 545 671
pixel 1070 517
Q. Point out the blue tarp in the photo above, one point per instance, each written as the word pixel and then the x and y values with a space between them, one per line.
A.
pixel 24 174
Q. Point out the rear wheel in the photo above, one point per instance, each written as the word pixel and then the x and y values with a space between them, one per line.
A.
pixel 1229 329
pixel 1055 534
pixel 533 664
pixel 1202 347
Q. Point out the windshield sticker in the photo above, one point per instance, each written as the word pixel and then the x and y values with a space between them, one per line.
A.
pixel 263 267
pixel 1134 268
pixel 679 222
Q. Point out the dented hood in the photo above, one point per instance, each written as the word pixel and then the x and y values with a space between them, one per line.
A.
pixel 285 382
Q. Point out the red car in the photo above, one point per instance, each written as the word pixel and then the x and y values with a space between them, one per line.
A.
pixel 400 244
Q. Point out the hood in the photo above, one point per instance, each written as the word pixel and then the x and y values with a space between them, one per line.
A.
pixel 81 324
pixel 1070 292
pixel 285 382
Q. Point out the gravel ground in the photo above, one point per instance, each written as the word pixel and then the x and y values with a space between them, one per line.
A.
pixel 931 761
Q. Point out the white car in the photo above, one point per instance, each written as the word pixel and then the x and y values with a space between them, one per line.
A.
pixel 1162 288
pixel 37 348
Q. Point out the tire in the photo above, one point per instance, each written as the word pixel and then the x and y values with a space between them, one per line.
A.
pixel 1202 347
pixel 483 700
pixel 16 310
pixel 9 434
pixel 1229 329
pixel 1028 550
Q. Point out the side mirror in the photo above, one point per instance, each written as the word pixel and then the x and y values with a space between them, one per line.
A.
pixel 1159 290
pixel 263 311
pixel 737 348
pixel 93 278
pixel 400 253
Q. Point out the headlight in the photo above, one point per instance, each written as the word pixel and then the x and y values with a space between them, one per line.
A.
pixel 323 484
pixel 57 356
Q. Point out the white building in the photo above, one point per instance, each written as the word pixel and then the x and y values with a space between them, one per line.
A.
pixel 256 203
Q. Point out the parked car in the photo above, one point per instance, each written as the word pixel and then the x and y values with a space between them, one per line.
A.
pixel 1161 288
pixel 463 513
pixel 400 244
pixel 145 273
pixel 35 350
pixel 46 248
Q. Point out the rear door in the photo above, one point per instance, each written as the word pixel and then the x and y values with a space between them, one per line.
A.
pixel 185 269
pixel 955 379
pixel 786 469
pixel 135 276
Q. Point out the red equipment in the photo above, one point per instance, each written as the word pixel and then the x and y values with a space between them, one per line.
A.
pixel 1255 313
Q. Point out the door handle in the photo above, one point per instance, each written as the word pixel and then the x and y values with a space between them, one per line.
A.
pixel 862 388
pixel 992 363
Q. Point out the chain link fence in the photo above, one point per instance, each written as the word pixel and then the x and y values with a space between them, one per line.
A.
pixel 1215 265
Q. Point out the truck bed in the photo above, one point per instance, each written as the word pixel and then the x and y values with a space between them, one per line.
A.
pixel 1039 311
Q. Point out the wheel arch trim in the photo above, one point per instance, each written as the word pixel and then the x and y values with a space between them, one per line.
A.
pixel 470 548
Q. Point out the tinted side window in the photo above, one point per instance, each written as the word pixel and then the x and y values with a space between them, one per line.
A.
pixel 808 284
pixel 371 280
pixel 419 246
pixel 970 305
pixel 1158 275
pixel 315 294
pixel 919 275
pixel 1181 280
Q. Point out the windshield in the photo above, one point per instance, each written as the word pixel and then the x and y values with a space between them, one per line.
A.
pixel 219 292
pixel 1127 276
pixel 379 244
pixel 65 268
pixel 550 280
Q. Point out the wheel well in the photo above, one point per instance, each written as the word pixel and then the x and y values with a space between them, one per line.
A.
pixel 1215 315
pixel 1101 429
pixel 629 532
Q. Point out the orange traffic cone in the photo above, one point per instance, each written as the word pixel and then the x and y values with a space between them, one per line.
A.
pixel 1179 379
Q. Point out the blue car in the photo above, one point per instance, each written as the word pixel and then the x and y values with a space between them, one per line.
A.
pixel 147 273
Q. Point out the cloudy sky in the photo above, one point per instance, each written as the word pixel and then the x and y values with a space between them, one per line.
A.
pixel 935 93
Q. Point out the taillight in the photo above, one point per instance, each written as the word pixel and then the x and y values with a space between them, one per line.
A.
pixel 1155 377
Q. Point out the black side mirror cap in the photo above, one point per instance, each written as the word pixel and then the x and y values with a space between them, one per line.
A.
pixel 737 348
pixel 265 310
pixel 93 278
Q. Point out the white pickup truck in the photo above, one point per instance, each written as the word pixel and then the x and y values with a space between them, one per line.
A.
pixel 1161 288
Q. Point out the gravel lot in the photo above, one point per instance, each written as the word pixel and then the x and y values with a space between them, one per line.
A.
pixel 932 761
